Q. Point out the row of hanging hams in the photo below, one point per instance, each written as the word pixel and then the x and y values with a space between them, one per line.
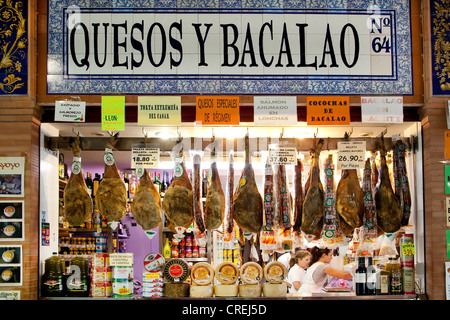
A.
pixel 307 211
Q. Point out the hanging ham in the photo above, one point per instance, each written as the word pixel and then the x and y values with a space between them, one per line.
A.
pixel 111 197
pixel 215 201
pixel 283 199
pixel 247 203
pixel 178 199
pixel 401 181
pixel 369 219
pixel 146 205
pixel 312 218
pixel 228 223
pixel 388 209
pixel 298 194
pixel 77 201
pixel 197 194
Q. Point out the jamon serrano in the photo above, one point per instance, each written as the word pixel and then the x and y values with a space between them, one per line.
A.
pixel 312 218
pixel 228 224
pixel 283 199
pixel 269 205
pixel 389 212
pixel 178 199
pixel 298 194
pixel 111 197
pixel 401 181
pixel 248 203
pixel 146 205
pixel 77 201
pixel 215 199
pixel 369 219
pixel 197 194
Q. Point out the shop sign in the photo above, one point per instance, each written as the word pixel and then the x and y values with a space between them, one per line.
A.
pixel 121 259
pixel 275 111
pixel 202 49
pixel 217 110
pixel 447 179
pixel 382 109
pixel 447 144
pixel 113 113
pixel 12 171
pixel 351 155
pixel 159 110
pixel 70 111
pixel 324 110
pixel 144 157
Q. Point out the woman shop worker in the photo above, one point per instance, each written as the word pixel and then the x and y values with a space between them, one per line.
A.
pixel 297 271
pixel 316 275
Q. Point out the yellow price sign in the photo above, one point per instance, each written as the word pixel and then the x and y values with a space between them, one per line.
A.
pixel 408 249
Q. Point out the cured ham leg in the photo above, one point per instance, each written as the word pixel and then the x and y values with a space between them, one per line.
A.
pixel 178 199
pixel 228 223
pixel 197 194
pixel 298 194
pixel 247 203
pixel 313 206
pixel 111 196
pixel 215 201
pixel 77 201
pixel 146 205
pixel 389 212
pixel 283 200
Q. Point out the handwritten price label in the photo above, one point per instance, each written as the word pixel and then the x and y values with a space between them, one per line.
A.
pixel 283 156
pixel 351 155
pixel 145 157
pixel 408 249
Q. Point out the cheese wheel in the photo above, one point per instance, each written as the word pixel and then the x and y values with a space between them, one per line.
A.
pixel 201 291
pixel 202 273
pixel 275 272
pixel 274 289
pixel 251 273
pixel 176 290
pixel 176 270
pixel 250 290
pixel 227 273
pixel 226 290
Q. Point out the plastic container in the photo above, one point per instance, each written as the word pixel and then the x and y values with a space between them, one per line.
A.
pixel 78 281
pixel 52 279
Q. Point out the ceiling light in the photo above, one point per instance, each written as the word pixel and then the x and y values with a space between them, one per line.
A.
pixel 366 134
pixel 165 134
pixel 98 134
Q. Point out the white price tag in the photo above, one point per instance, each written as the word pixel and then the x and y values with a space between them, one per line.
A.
pixel 144 157
pixel 283 156
pixel 351 155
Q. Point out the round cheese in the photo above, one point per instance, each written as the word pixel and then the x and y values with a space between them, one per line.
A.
pixel 202 273
pixel 201 291
pixel 274 289
pixel 176 270
pixel 251 273
pixel 227 273
pixel 250 290
pixel 275 272
pixel 226 290
pixel 154 262
pixel 176 290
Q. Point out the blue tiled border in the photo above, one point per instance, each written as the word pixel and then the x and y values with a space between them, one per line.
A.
pixel 401 81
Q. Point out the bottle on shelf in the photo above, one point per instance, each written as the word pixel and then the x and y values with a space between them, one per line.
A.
pixel 371 277
pixel 61 166
pixel 204 183
pixel 396 278
pixel 383 283
pixel 165 183
pixel 132 186
pixel 167 250
pixel 89 183
pixel 157 182
pixel 361 277
pixel 95 184
pixel 127 184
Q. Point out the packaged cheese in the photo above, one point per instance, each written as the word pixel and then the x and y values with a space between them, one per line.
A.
pixel 202 273
pixel 227 273
pixel 275 272
pixel 176 270
pixel 251 273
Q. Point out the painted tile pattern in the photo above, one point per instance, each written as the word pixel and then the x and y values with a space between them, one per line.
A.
pixel 400 83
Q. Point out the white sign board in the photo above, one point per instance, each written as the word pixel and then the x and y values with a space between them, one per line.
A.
pixel 275 111
pixel 144 158
pixel 283 156
pixel 351 155
pixel 121 259
pixel 12 171
pixel 70 111
pixel 382 109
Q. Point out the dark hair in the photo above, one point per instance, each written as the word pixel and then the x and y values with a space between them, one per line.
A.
pixel 298 256
pixel 317 253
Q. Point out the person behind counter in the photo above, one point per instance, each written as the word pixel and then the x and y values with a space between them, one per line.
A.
pixel 316 275
pixel 297 271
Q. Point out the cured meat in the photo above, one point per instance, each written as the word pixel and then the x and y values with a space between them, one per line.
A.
pixel 178 199
pixel 401 181
pixel 215 201
pixel 146 205
pixel 111 197
pixel 269 205
pixel 283 199
pixel 388 210
pixel 228 225
pixel 312 218
pixel 77 201
pixel 374 175
pixel 197 194
pixel 298 194
pixel 247 202
pixel 369 219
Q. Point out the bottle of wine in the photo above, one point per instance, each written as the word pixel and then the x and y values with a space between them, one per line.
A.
pixel 204 183
pixel 371 278
pixel 165 183
pixel 95 184
pixel 89 183
pixel 361 277
pixel 157 182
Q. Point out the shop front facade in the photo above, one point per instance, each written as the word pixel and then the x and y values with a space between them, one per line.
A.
pixel 244 55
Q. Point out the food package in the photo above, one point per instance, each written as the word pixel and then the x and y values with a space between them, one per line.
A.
pixel 387 246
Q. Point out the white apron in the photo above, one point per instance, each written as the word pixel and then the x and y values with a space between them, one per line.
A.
pixel 309 285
